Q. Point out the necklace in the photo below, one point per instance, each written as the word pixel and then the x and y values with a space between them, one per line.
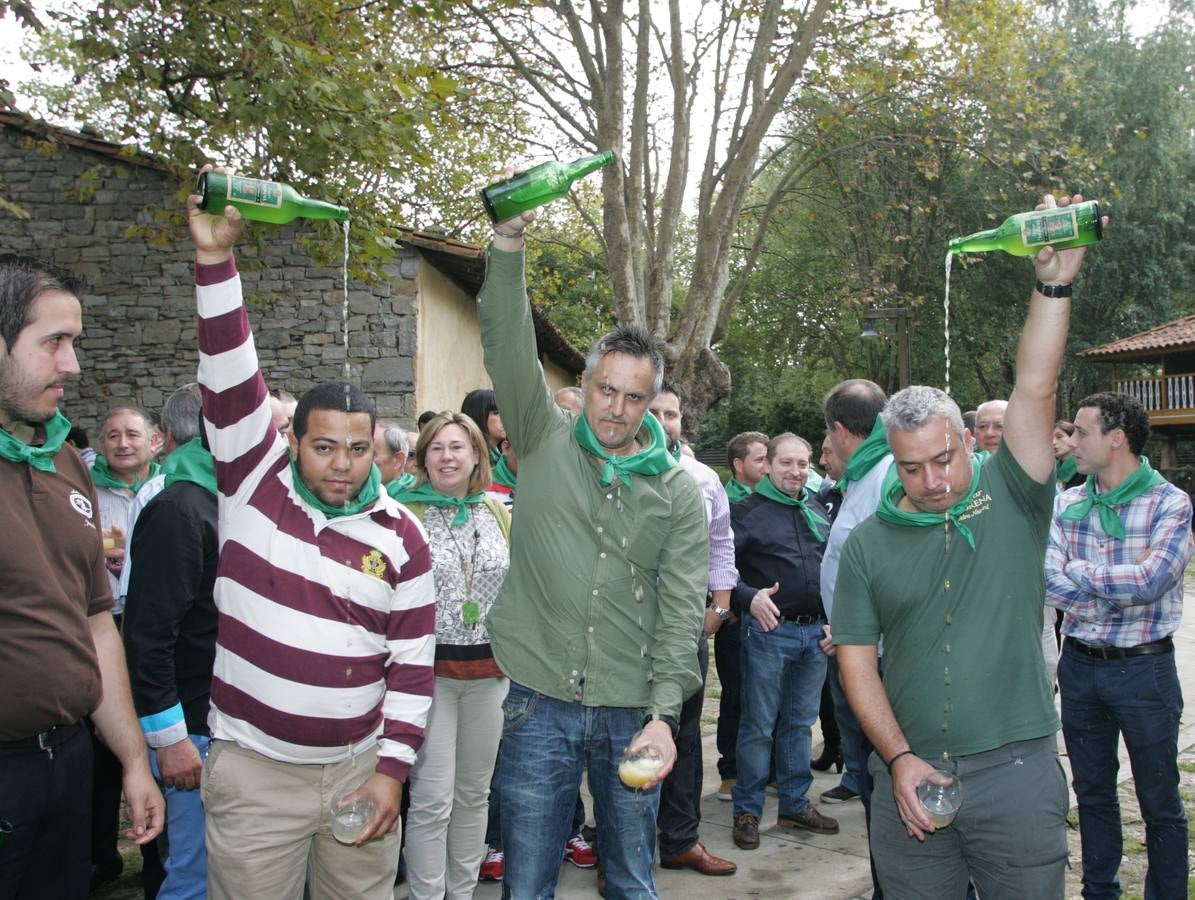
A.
pixel 471 609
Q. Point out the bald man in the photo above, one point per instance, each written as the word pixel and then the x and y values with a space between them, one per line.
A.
pixel 989 425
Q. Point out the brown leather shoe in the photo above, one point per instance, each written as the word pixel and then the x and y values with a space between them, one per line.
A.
pixel 746 832
pixel 697 857
pixel 811 820
pixel 601 873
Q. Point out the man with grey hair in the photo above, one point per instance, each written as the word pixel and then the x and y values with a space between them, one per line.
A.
pixel 390 451
pixel 950 572
pixel 597 622
pixel 170 632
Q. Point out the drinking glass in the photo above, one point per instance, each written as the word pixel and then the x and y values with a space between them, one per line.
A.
pixel 942 801
pixel 351 812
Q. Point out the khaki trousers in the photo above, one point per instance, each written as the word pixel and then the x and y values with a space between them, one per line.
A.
pixel 269 830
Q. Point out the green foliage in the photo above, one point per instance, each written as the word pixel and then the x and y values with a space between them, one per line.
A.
pixel 998 104
pixel 356 104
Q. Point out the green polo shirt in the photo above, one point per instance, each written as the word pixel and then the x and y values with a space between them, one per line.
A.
pixel 606 591
pixel 963 663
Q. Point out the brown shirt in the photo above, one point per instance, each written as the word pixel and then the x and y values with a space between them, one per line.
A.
pixel 52 577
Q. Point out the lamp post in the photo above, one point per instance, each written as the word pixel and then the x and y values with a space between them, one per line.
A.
pixel 901 315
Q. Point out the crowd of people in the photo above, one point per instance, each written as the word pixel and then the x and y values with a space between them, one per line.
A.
pixel 252 611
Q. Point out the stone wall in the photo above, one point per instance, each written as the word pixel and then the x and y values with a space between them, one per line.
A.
pixel 119 224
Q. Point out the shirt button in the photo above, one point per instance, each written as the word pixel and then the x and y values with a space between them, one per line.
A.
pixel 595 593
pixel 575 672
pixel 602 555
pixel 591 629
pixel 609 496
pixel 599 529
pixel 947 584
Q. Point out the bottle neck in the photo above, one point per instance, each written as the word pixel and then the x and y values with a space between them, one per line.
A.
pixel 978 242
pixel 318 209
pixel 587 164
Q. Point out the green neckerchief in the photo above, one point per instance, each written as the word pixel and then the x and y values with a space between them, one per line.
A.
pixel 40 457
pixel 736 491
pixel 863 460
pixel 401 483
pixel 101 476
pixel 365 497
pixel 1128 490
pixel 890 496
pixel 502 474
pixel 1066 469
pixel 425 493
pixel 812 519
pixel 652 460
pixel 495 455
pixel 675 451
pixel 191 462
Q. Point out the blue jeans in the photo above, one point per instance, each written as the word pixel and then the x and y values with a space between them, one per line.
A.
pixel 1140 698
pixel 855 746
pixel 183 852
pixel 545 745
pixel 783 672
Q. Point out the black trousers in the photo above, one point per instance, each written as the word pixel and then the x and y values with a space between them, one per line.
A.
pixel 45 820
pixel 679 816
pixel 728 654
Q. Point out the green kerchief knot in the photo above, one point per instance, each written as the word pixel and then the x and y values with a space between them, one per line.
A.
pixel 675 451
pixel 502 474
pixel 890 512
pixel 366 497
pixel 652 460
pixel 736 491
pixel 1066 469
pixel 812 519
pixel 1142 480
pixel 191 462
pixel 428 495
pixel 401 483
pixel 41 456
pixel 101 476
pixel 863 460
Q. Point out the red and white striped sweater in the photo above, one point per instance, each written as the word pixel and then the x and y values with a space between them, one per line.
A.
pixel 326 626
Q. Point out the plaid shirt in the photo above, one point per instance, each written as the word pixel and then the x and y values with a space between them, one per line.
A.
pixel 1120 593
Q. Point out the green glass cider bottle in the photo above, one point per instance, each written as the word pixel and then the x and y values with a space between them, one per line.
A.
pixel 261 201
pixel 538 185
pixel 1063 227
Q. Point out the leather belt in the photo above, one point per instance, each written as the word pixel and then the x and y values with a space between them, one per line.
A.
pixel 1165 645
pixel 802 619
pixel 47 740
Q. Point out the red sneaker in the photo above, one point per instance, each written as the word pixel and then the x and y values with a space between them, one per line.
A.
pixel 493 867
pixel 580 852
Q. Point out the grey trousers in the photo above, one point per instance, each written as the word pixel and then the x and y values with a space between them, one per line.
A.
pixel 1009 837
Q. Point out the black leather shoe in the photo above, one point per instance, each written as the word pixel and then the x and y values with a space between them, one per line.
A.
pixel 830 756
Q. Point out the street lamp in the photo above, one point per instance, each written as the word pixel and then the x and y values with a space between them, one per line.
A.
pixel 901 315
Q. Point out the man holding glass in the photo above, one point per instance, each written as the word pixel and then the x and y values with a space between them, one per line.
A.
pixel 950 572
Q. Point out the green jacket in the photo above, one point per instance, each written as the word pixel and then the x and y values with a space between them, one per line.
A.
pixel 606 591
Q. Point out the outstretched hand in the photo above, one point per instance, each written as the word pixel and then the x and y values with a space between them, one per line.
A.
pixel 212 234
pixel 1060 266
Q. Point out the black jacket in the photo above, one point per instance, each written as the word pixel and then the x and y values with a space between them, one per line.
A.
pixel 773 543
pixel 170 615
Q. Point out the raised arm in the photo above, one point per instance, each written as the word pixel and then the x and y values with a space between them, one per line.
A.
pixel 236 404
pixel 508 339
pixel 1029 419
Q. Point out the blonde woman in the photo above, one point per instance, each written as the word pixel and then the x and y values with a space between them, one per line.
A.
pixel 468 534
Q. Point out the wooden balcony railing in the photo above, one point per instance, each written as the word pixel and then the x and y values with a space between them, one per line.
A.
pixel 1161 393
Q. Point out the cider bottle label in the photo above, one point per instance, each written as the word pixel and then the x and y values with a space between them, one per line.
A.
pixel 255 191
pixel 1050 226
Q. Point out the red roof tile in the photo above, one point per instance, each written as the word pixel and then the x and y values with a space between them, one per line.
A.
pixel 1179 334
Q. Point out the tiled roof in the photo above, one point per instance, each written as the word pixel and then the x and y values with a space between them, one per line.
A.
pixel 1176 335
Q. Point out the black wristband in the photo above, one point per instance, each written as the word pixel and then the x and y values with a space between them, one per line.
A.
pixel 1053 290
pixel 898 756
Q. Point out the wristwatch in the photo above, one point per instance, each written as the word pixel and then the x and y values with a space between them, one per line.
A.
pixel 670 721
pixel 1053 290
pixel 723 614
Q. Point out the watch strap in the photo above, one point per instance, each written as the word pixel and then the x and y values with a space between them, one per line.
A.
pixel 1053 290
